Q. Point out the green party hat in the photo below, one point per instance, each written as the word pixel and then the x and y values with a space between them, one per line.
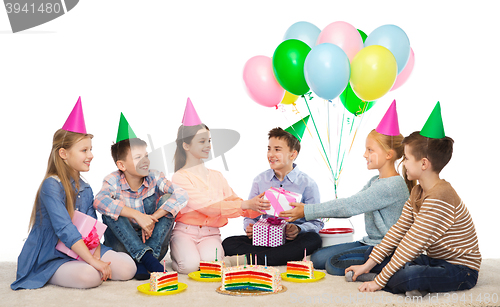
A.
pixel 125 132
pixel 297 129
pixel 433 127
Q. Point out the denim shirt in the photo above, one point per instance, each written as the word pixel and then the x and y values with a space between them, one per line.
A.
pixel 39 259
pixel 295 181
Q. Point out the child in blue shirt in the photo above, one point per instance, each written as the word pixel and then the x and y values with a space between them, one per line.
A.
pixel 301 234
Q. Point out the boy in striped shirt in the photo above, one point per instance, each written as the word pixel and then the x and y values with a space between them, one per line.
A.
pixel 433 246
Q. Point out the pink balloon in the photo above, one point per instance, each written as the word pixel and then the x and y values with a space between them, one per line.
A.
pixel 260 82
pixel 406 72
pixel 343 35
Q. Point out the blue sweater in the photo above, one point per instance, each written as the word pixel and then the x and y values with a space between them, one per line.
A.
pixel 381 200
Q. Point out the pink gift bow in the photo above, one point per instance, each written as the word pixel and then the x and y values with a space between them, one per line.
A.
pixel 92 239
pixel 272 221
pixel 274 200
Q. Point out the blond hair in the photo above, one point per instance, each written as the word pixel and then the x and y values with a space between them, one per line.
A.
pixel 394 143
pixel 57 167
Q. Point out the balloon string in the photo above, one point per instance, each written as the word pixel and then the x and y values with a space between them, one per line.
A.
pixel 343 153
pixel 338 154
pixel 296 111
pixel 315 128
pixel 356 130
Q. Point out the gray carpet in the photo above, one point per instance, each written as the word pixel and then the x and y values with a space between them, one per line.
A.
pixel 328 291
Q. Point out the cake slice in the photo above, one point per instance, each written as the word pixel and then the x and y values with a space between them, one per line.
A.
pixel 299 269
pixel 163 281
pixel 211 269
pixel 251 277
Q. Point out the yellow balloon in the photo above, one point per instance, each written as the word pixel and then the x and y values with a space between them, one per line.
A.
pixel 373 72
pixel 289 98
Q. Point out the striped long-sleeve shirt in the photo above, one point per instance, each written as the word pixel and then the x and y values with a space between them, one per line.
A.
pixel 437 223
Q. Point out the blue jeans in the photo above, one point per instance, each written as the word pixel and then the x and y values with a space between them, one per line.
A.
pixel 431 275
pixel 122 236
pixel 427 274
pixel 336 258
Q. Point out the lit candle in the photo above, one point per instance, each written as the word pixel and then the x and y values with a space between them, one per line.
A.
pixel 255 259
pixel 250 259
pixel 265 261
pixel 305 254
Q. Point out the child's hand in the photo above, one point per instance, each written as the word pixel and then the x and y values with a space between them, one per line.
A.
pixel 103 267
pixel 257 203
pixel 147 223
pixel 291 231
pixel 361 269
pixel 294 214
pixel 369 286
pixel 249 231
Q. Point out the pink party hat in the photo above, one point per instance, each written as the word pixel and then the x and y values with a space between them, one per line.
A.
pixel 389 123
pixel 75 121
pixel 190 117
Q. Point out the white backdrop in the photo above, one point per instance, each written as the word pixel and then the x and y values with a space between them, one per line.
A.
pixel 144 58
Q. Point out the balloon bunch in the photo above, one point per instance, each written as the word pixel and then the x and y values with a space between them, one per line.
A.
pixel 338 61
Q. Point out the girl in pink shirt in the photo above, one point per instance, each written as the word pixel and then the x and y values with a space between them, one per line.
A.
pixel 212 202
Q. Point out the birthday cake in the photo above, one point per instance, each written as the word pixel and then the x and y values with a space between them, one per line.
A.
pixel 299 269
pixel 163 281
pixel 211 269
pixel 251 277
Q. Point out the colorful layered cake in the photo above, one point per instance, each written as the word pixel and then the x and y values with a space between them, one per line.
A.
pixel 251 277
pixel 163 281
pixel 299 269
pixel 211 269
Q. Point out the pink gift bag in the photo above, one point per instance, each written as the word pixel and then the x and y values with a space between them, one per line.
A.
pixel 91 229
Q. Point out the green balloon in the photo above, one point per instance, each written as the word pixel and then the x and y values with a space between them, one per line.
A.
pixel 288 65
pixel 363 35
pixel 352 103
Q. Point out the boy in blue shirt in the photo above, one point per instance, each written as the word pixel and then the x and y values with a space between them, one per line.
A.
pixel 283 148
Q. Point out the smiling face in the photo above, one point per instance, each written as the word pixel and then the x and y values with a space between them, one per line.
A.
pixel 136 163
pixel 200 145
pixel 374 154
pixel 279 155
pixel 78 156
pixel 412 165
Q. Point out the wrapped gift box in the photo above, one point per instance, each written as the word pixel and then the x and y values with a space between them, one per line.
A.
pixel 280 200
pixel 85 225
pixel 269 232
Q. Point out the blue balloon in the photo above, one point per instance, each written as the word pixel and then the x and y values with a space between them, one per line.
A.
pixel 303 31
pixel 393 38
pixel 327 70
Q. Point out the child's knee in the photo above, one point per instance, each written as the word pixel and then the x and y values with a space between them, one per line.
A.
pixel 186 266
pixel 88 277
pixel 127 269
